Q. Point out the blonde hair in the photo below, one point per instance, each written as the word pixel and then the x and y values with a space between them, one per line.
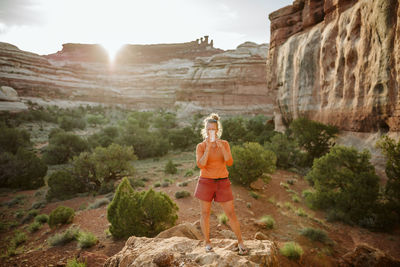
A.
pixel 212 118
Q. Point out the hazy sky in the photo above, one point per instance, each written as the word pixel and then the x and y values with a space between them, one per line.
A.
pixel 42 26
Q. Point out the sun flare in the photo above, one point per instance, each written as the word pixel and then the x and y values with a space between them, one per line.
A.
pixel 112 49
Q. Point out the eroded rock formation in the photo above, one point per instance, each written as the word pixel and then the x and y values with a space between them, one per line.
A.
pixel 194 75
pixel 338 62
pixel 182 251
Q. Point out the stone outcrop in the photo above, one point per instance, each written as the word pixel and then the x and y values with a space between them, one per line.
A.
pixel 231 80
pixel 365 255
pixel 338 62
pixel 194 76
pixel 9 100
pixel 182 251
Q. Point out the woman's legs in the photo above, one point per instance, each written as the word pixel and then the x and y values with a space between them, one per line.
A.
pixel 205 220
pixel 229 210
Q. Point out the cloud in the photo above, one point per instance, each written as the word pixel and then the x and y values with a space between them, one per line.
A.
pixel 19 13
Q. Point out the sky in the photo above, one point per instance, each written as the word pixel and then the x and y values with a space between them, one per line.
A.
pixel 42 26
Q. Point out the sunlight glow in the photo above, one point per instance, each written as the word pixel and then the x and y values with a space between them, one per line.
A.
pixel 112 49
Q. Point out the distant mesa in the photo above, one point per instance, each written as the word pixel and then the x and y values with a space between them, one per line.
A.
pixel 137 54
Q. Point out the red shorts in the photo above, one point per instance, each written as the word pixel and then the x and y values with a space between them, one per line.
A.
pixel 208 189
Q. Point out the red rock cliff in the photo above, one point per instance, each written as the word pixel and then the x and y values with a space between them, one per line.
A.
pixel 338 62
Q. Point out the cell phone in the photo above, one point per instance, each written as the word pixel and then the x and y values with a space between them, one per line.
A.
pixel 212 136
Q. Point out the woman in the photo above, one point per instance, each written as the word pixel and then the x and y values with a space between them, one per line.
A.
pixel 212 156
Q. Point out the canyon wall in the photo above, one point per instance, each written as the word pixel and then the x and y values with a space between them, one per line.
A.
pixel 194 76
pixel 338 62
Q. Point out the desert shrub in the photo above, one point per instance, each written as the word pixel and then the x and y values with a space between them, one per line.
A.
pixel 267 221
pixel 183 184
pixel 69 123
pixel 292 250
pixel 98 203
pixel 62 147
pixel 222 218
pixel 33 227
pixel 234 130
pixel 254 195
pixel 314 137
pixel 300 212
pixel 295 198
pixel 158 184
pixel 344 180
pixel 391 150
pixel 104 165
pixel 251 162
pixel 288 154
pixel 12 138
pixel 104 138
pixel 95 119
pixel 135 183
pixel 19 238
pixel 170 167
pixel 143 213
pixel 146 143
pixel 64 185
pixel 42 218
pixel 75 263
pixel 315 234
pixel 61 215
pixel 188 173
pixel 86 239
pixel 65 237
pixel 183 138
pixel 182 194
pixel 23 170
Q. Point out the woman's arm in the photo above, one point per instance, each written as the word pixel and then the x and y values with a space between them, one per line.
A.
pixel 202 155
pixel 226 151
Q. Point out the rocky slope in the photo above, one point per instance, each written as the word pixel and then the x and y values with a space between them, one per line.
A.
pixel 338 62
pixel 194 76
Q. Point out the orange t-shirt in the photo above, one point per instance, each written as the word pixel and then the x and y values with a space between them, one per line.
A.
pixel 216 164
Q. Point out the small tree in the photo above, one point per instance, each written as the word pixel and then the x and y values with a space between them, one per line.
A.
pixel 62 147
pixel 143 213
pixel 314 137
pixel 11 139
pixel 170 167
pixel 64 185
pixel 61 215
pixel 104 165
pixel 251 161
pixel 345 181
pixel 391 150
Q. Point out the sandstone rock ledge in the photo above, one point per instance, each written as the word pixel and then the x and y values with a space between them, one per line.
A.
pixel 182 251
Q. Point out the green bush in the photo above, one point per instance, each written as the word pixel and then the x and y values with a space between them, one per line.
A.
pixel 94 120
pixel 33 227
pixel 86 239
pixel 183 138
pixel 391 150
pixel 182 194
pixel 183 184
pixel 98 203
pixel 143 213
pixel 11 139
pixel 62 147
pixel 23 170
pixel 234 130
pixel 315 234
pixel 75 263
pixel 104 165
pixel 42 218
pixel 254 195
pixel 69 123
pixel 222 218
pixel 251 162
pixel 170 167
pixel 104 138
pixel 135 183
pixel 292 250
pixel 64 185
pixel 61 215
pixel 267 221
pixel 288 154
pixel 314 137
pixel 19 238
pixel 344 180
pixel 59 239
